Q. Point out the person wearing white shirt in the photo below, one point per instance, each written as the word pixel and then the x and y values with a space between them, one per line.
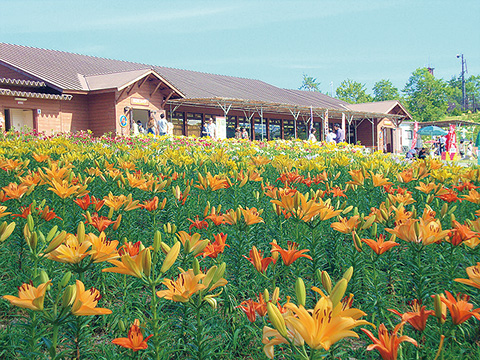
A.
pixel 312 137
pixel 210 129
pixel 330 138
pixel 162 125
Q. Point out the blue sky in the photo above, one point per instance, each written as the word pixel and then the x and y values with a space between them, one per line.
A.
pixel 274 41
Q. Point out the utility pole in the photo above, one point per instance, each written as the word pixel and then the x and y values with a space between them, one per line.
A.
pixel 331 86
pixel 464 68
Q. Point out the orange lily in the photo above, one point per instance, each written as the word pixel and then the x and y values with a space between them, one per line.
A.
pixel 460 233
pixel 150 205
pixel 460 309
pixel 214 249
pixel 63 189
pixel 85 302
pixel 183 288
pixel 98 222
pixel 216 219
pixel 386 344
pixel 135 265
pixel 251 216
pixel 216 182
pixel 85 201
pixel 135 340
pixel 72 251
pixel 249 306
pixel 102 249
pixel 346 226
pixel 14 191
pixel 473 196
pixel 192 243
pixel 115 202
pixel 199 224
pixel 379 180
pixel 473 273
pixel 292 254
pixel 380 246
pixel 259 262
pixel 29 296
pixel 358 177
pixel 425 233
pixel 417 317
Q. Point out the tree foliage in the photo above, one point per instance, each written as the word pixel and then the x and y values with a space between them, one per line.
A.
pixel 426 96
pixel 353 92
pixel 384 90
pixel 310 83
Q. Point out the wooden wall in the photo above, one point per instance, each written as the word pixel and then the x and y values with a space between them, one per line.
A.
pixel 8 73
pixel 101 113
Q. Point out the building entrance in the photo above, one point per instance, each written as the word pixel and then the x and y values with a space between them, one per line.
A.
pixel 18 119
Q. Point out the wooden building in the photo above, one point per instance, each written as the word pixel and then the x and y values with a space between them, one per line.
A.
pixel 55 91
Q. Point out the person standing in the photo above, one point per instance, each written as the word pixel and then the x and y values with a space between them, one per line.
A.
pixel 170 128
pixel 162 125
pixel 151 125
pixel 238 133
pixel 244 133
pixel 340 135
pixel 330 138
pixel 210 129
pixel 312 137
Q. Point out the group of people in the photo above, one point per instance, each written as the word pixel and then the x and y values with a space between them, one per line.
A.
pixel 241 133
pixel 416 152
pixel 335 135
pixel 158 127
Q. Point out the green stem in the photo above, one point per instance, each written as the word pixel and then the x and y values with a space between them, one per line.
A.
pixel 198 339
pixel 55 337
pixel 153 304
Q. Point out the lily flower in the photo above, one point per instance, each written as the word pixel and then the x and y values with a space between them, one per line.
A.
pixel 150 205
pixel 29 296
pixel 131 265
pixel 217 247
pixel 72 251
pixel 135 340
pixel 291 254
pixel 460 309
pixel 417 317
pixel 63 189
pixel 199 224
pixel 460 233
pixel 14 191
pixel 346 226
pixel 380 246
pixel 259 262
pixel 473 273
pixel 386 344
pixel 102 249
pixel 249 306
pixel 183 288
pixel 85 302
pixel 251 216
pixel 473 196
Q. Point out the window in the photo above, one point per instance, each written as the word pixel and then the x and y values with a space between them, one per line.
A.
pixel 274 128
pixel 194 124
pixel 288 129
pixel 231 126
pixel 260 129
pixel 177 120
pixel 409 134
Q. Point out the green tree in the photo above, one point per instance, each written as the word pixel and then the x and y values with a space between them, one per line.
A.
pixel 384 90
pixel 426 96
pixel 310 83
pixel 353 92
pixel 472 93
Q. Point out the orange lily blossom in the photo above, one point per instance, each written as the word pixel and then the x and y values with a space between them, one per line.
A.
pixel 14 191
pixel 427 188
pixel 427 232
pixel 473 273
pixel 85 302
pixel 358 177
pixel 214 183
pixel 115 202
pixel 186 285
pixel 326 324
pixel 217 219
pixel 460 309
pixel 102 249
pixel 72 251
pixel 460 233
pixel 150 205
pixel 259 262
pixel 98 222
pixel 192 243
pixel 135 265
pixel 63 189
pixel 346 226
pixel 130 248
pixel 473 196
pixel 251 216
pixel 290 255
pixel 386 344
pixel 85 201
pixel 26 210
pixel 379 180
pixel 197 223
pixel 135 340
pixel 29 296
pixel 48 214
pixel 380 246
pixel 217 247
pixel 249 306
pixel 417 317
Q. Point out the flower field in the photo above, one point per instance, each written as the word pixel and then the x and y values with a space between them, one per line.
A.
pixel 185 248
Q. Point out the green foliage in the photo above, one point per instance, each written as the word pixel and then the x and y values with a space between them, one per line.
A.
pixel 426 96
pixel 353 92
pixel 310 83
pixel 384 90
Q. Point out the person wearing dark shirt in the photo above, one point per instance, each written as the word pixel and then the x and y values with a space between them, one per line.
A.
pixel 340 135
pixel 422 154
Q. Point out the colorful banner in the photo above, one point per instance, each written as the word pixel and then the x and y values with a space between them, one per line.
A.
pixel 325 126
pixel 451 145
pixel 415 135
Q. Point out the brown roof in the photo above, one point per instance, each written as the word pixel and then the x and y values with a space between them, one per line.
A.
pixel 74 72
pixel 384 107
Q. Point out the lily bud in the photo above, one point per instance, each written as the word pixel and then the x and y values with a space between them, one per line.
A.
pixel 277 319
pixel 89 217
pixel 121 325
pixel 69 296
pixel 6 231
pixel 347 210
pixel 439 307
pixel 373 230
pixel 65 279
pixel 157 241
pixel 207 280
pixel 338 292
pixel 275 295
pixel 81 232
pixel 369 222
pixel 31 224
pixel 147 262
pixel 196 266
pixel 452 219
pixel 326 282
pixel 429 199
pixel 51 234
pixel 165 248
pixel 219 272
pixel 56 242
pixel 266 295
pixel 211 301
pixel 110 213
pixel 348 274
pixel 117 222
pixel 171 257
pixel 356 241
pixel 444 210
pixel 300 291
pixel 43 277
